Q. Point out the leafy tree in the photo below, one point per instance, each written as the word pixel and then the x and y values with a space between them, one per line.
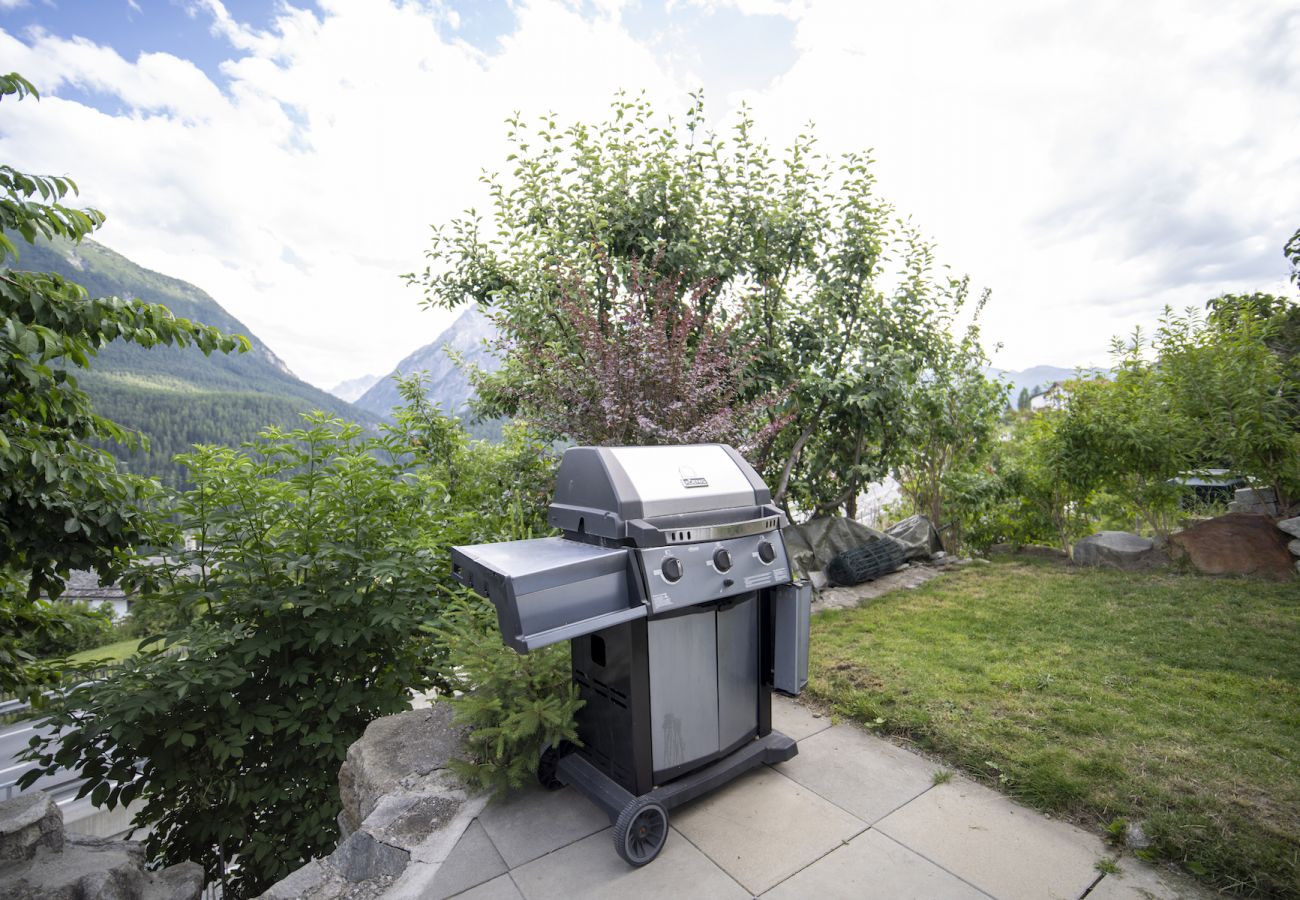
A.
pixel 1048 479
pixel 63 503
pixel 952 416
pixel 645 367
pixel 1292 252
pixel 308 575
pixel 1229 374
pixel 802 261
pixel 1125 430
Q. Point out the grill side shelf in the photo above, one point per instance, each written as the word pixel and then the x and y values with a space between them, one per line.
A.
pixel 586 626
pixel 550 589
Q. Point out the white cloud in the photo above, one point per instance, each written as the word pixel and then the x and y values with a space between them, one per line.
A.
pixel 299 195
pixel 1087 162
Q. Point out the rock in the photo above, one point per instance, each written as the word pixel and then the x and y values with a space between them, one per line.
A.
pixel 849 597
pixel 1136 837
pixel 814 544
pixel 304 882
pixel 362 858
pixel 1294 547
pixel 98 869
pixel 818 579
pixel 30 822
pixel 1118 550
pixel 403 812
pixel 1256 500
pixel 183 881
pixel 918 535
pixel 397 752
pixel 1291 526
pixel 1235 544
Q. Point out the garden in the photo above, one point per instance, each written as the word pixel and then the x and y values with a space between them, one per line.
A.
pixel 655 284
pixel 1159 709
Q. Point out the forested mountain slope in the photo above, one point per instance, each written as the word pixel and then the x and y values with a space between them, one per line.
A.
pixel 179 397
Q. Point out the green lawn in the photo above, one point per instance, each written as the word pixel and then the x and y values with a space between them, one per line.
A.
pixel 1171 700
pixel 115 652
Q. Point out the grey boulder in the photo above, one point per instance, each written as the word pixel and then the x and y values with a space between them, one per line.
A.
pixel 406 753
pixel 96 869
pixel 1118 550
pixel 1291 526
pixel 30 822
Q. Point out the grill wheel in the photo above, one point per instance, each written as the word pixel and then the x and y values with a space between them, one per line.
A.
pixel 640 831
pixel 548 764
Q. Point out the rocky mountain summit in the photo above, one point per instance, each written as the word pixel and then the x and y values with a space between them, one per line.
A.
pixel 466 340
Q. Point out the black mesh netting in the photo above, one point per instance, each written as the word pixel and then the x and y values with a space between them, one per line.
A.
pixel 863 563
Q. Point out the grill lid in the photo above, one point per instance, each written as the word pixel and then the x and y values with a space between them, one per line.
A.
pixel 600 491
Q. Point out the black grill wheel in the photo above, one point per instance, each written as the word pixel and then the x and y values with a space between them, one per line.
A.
pixel 548 766
pixel 640 831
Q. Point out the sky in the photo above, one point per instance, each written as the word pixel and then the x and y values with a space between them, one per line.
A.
pixel 1088 163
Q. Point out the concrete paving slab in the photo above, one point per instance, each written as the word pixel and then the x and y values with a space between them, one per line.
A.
pixel 1004 849
pixel 763 827
pixel 795 720
pixel 872 866
pixel 1139 881
pixel 534 821
pixel 499 888
pixel 859 772
pixel 471 862
pixel 591 869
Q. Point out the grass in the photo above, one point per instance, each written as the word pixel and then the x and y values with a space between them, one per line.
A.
pixel 1166 699
pixel 114 652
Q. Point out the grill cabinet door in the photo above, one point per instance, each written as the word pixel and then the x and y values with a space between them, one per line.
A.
pixel 683 688
pixel 737 672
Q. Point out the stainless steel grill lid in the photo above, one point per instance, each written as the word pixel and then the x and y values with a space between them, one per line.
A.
pixel 647 530
pixel 645 493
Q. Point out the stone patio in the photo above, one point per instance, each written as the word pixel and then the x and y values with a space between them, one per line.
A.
pixel 852 816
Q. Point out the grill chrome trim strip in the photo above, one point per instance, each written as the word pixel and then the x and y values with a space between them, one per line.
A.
pixel 697 533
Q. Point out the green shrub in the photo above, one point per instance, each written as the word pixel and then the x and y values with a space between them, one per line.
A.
pixel 514 703
pixel 308 577
pixel 153 614
pixel 78 626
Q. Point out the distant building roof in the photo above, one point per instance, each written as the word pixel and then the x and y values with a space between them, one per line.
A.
pixel 83 584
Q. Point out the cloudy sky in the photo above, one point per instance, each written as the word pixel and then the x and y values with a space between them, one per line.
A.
pixel 1088 162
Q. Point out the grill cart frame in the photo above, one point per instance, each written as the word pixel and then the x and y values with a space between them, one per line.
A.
pixel 672 585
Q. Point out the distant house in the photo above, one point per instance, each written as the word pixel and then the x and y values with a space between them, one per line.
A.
pixel 83 587
pixel 1054 396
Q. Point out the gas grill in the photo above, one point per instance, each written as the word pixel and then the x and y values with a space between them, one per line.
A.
pixel 672 586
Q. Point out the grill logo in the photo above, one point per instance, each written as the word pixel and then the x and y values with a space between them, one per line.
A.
pixel 690 479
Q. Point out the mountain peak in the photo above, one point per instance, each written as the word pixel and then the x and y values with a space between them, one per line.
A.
pixel 469 337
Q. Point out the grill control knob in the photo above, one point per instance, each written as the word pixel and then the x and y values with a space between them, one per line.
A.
pixel 671 568
pixel 721 559
pixel 766 552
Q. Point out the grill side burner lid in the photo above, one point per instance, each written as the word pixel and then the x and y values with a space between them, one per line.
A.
pixel 641 493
